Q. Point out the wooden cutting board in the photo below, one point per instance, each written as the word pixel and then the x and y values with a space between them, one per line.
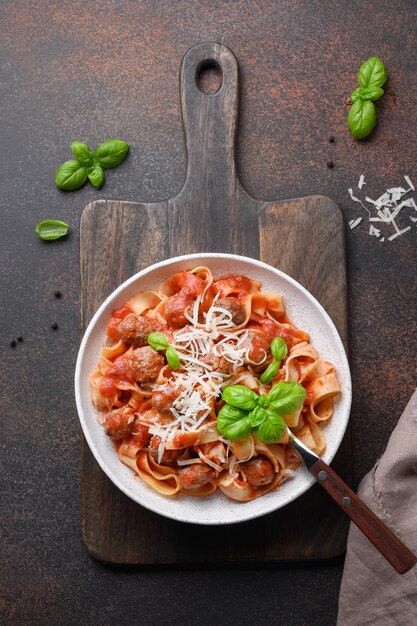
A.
pixel 213 213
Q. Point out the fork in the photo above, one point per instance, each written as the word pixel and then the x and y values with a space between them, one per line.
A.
pixel 384 540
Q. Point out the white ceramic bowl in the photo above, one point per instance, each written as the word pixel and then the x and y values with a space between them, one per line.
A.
pixel 302 309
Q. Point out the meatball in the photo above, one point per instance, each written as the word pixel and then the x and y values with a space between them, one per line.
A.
pixel 233 306
pixel 176 307
pixel 169 457
pixel 118 423
pixel 257 348
pixel 195 475
pixel 218 363
pixel 258 471
pixel 145 364
pixel 140 435
pixel 137 328
pixel 163 396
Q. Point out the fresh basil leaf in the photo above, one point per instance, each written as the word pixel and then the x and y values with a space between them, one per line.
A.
pixel 262 401
pixel 82 153
pixel 96 175
pixel 233 423
pixel 70 175
pixel 372 73
pixel 356 94
pixel 372 93
pixel 173 358
pixel 279 349
pixel 240 397
pixel 367 93
pixel 111 152
pixel 257 416
pixel 362 118
pixel 270 372
pixel 51 229
pixel 158 341
pixel 286 397
pixel 271 430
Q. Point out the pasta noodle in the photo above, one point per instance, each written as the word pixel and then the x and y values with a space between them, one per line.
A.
pixel 163 420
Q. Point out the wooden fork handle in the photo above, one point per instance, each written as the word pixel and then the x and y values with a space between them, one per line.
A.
pixel 384 540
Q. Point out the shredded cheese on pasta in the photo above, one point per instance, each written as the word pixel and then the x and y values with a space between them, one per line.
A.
pixel 164 422
pixel 201 386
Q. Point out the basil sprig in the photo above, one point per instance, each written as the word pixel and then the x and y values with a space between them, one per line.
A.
pixel 72 175
pixel 367 93
pixel 159 341
pixel 279 351
pixel 111 153
pixel 96 175
pixel 362 118
pixel 372 73
pixel 246 411
pixel 234 423
pixel 51 229
pixel 362 115
pixel 82 153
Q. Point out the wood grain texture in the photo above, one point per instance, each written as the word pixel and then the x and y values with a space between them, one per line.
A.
pixel 303 237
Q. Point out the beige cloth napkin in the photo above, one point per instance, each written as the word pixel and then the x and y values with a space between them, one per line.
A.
pixel 372 593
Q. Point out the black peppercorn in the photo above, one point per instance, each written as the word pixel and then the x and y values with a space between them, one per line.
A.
pixel 58 294
pixel 54 325
pixel 13 343
pixel 331 139
pixel 20 338
pixel 330 164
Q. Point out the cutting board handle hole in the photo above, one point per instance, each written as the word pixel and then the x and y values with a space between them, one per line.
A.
pixel 209 77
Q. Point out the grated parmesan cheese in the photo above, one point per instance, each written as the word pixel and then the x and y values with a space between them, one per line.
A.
pixel 212 332
pixel 386 209
pixel 354 223
pixel 205 459
pixel 233 465
pixel 190 461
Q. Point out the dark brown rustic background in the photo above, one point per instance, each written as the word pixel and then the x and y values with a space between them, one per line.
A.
pixel 92 70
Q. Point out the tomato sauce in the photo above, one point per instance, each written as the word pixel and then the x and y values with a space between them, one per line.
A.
pixel 311 389
pixel 192 283
pixel 119 372
pixel 139 437
pixel 310 395
pixel 117 316
pixel 186 287
pixel 176 307
pixel 185 280
pixel 183 440
pixel 108 386
pixel 233 284
pixel 274 329
pixel 121 369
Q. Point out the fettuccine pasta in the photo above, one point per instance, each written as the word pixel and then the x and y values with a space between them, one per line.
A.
pixel 163 419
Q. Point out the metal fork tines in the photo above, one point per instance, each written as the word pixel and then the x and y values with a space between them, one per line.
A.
pixel 305 453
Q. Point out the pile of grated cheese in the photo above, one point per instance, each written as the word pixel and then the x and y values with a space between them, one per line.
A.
pixel 201 385
pixel 383 213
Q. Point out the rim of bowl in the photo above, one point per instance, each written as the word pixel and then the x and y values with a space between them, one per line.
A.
pixel 165 263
